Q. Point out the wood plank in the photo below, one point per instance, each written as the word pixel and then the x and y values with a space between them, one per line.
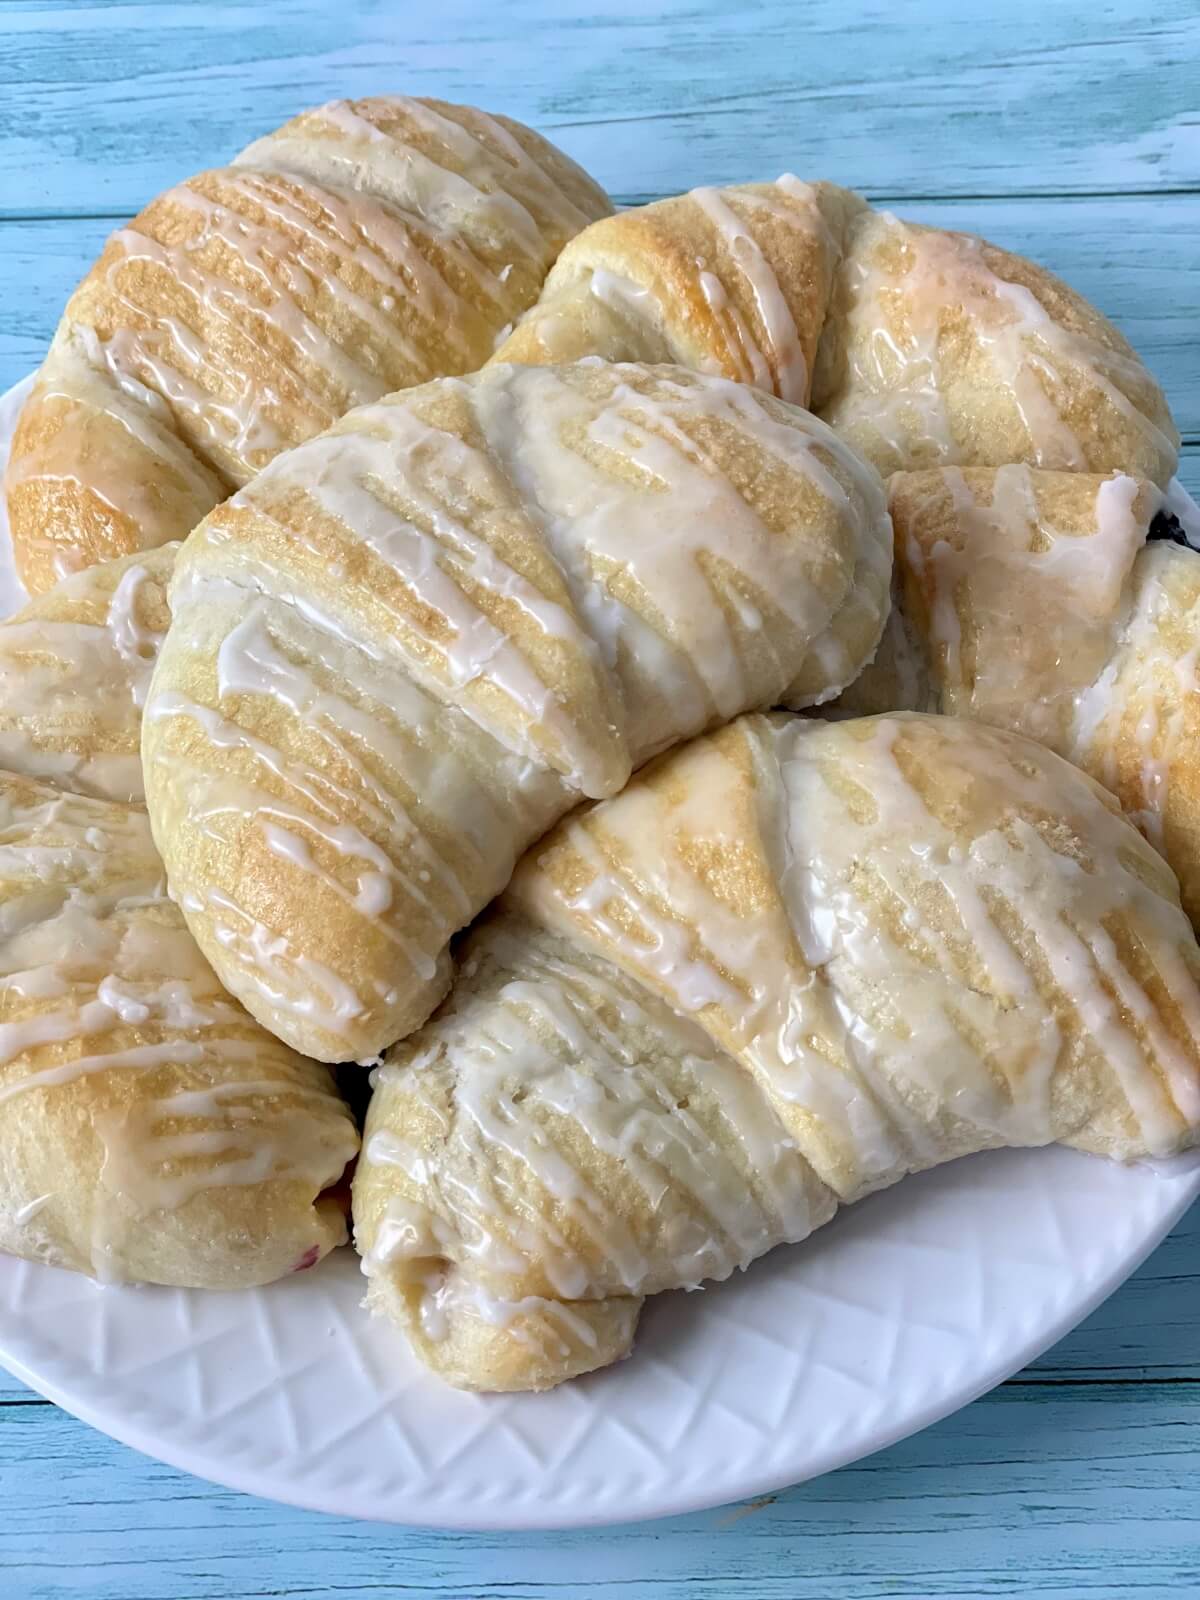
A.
pixel 40 264
pixel 1079 1488
pixel 101 105
pixel 1134 258
pixel 1087 1492
pixel 1146 1330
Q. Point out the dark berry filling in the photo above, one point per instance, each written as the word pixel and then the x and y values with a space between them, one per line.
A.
pixel 1166 525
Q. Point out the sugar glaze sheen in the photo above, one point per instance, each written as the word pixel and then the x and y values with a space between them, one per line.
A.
pixel 783 969
pixel 544 577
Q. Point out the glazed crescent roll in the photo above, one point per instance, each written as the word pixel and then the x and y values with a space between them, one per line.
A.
pixel 412 644
pixel 735 282
pixel 789 964
pixel 1063 606
pixel 75 666
pixel 365 246
pixel 149 1129
pixel 919 346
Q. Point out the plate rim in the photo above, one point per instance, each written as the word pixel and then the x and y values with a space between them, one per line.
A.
pixel 944 1401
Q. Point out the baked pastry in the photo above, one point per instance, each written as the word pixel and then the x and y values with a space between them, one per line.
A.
pixel 365 246
pixel 149 1129
pixel 791 963
pixel 919 346
pixel 412 644
pixel 736 282
pixel 75 665
pixel 1067 607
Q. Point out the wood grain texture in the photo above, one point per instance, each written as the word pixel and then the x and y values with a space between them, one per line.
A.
pixel 1076 1479
pixel 1068 132
pixel 1085 1491
pixel 103 104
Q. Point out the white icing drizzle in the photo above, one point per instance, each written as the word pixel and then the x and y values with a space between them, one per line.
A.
pixel 105 999
pixel 1043 605
pixel 437 555
pixel 690 982
pixel 751 333
pixel 251 662
pixel 136 645
pixel 347 720
pixel 71 689
pixel 619 293
pixel 533 1320
pixel 779 363
pixel 173 358
pixel 250 307
pixel 1064 908
pixel 141 1057
pixel 1084 640
pixel 740 966
pixel 77 374
pixel 340 114
pixel 563 1130
pixel 1146 689
pixel 269 960
pixel 169 1005
pixel 595 527
pixel 542 1051
pixel 524 172
pixel 166 1150
pixel 892 399
pixel 454 672
pixel 26 1213
pixel 486 189
pixel 301 247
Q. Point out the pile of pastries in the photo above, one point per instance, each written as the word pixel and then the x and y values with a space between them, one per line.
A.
pixel 699 704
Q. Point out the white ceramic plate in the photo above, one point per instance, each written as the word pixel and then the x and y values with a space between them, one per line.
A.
pixel 903 1309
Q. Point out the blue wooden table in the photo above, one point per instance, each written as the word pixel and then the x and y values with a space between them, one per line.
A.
pixel 1068 131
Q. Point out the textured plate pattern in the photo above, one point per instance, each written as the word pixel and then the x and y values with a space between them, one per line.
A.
pixel 901 1310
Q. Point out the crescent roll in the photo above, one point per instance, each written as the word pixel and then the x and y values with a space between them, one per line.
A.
pixel 919 346
pixel 791 963
pixel 412 644
pixel 75 666
pixel 149 1129
pixel 1066 607
pixel 365 246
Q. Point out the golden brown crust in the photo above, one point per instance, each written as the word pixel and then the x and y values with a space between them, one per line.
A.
pixel 1032 600
pixel 95 474
pixel 411 644
pixel 149 1129
pixel 734 281
pixel 1146 749
pixel 789 964
pixel 443 142
pixel 921 347
pixel 75 665
pixel 365 247
pixel 993 360
pixel 499 1348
